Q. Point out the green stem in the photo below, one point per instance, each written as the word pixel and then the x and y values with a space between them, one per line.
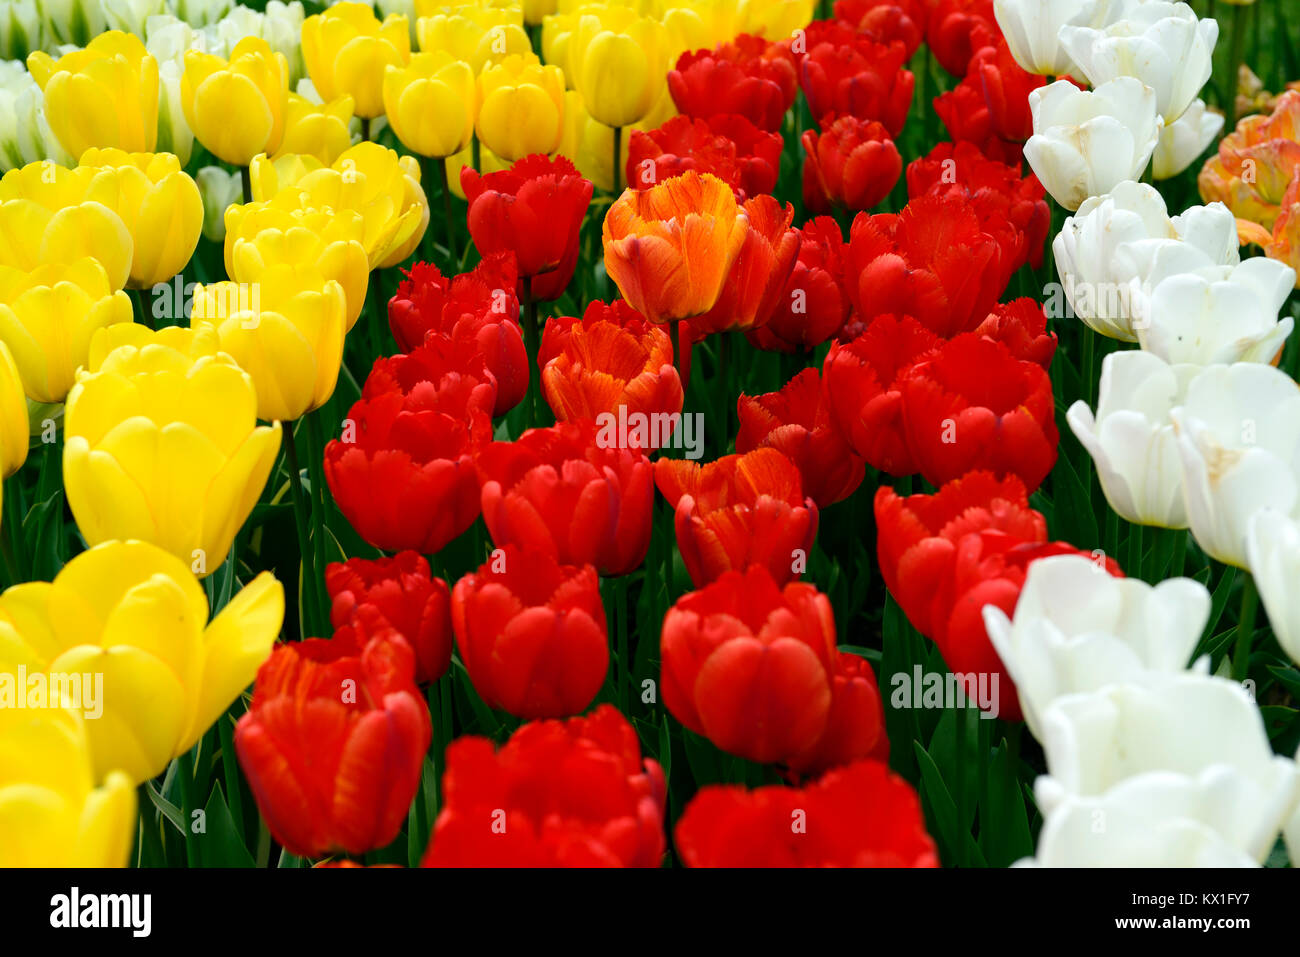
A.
pixel 365 129
pixel 447 212
pixel 246 181
pixel 475 154
pixel 185 774
pixel 15 551
pixel 306 582
pixel 532 343
pixel 375 306
pixel 1245 628
pixel 316 470
pixel 620 643
pixel 1239 16
pixel 618 156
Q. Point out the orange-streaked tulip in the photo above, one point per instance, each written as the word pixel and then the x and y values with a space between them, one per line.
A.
pixel 1256 163
pixel 346 49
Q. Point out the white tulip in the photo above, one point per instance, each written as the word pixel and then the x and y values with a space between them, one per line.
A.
pixel 1087 143
pixel 200 13
pixel 174 133
pixel 168 39
pixel 1077 629
pixel 20 29
pixel 1131 438
pixel 25 134
pixel 71 21
pixel 1128 234
pixel 1187 746
pixel 1238 435
pixel 130 15
pixel 1184 140
pixel 1032 29
pixel 1161 44
pixel 220 190
pixel 1273 553
pixel 1152 820
pixel 1219 314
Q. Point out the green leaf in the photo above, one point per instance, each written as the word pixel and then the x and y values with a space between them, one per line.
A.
pixel 220 845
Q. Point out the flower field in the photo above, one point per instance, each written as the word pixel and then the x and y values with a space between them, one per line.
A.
pixel 652 433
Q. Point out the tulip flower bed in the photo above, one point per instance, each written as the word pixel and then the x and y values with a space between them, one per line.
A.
pixel 649 433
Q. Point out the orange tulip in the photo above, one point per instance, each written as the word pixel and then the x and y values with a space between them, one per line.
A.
pixel 1283 242
pixel 670 248
pixel 1256 163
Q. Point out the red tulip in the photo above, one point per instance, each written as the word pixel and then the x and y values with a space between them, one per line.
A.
pixel 852 164
pixel 410 600
pixel 749 76
pixel 1006 88
pixel 755 284
pixel 932 261
pixel 333 743
pixel 479 307
pixel 534 210
pixel 749 665
pixel 858 816
pixel 971 404
pixel 1010 208
pixel 957 28
pixel 862 382
pixel 612 358
pixel 885 20
pixel 859 77
pixel 571 493
pixel 727 145
pixel 443 374
pixel 855 726
pixel 403 474
pixel 739 511
pixel 814 305
pixel 531 633
pixel 796 421
pixel 965 115
pixel 570 793
pixel 1021 326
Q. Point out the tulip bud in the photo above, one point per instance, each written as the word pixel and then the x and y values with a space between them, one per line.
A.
pixel 220 190
pixel 474 35
pixel 620 68
pixel 237 108
pixel 129 16
pixel 346 49
pixel 25 134
pixel 14 425
pixel 430 104
pixel 521 107
pixel 319 130
pixel 74 22
pixel 20 30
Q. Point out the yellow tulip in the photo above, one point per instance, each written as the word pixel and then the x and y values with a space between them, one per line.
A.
pixel 236 108
pixel 371 179
pixel 346 49
pixel 697 24
pixel 51 812
pixel 161 207
pixel 134 614
pixel 431 103
pixel 288 337
pixel 775 19
pixel 283 232
pixel 48 316
pixel 313 129
pixel 14 426
pixel 103 95
pixel 162 443
pixel 476 35
pixel 49 214
pixel 521 107
pixel 619 65
pixel 536 11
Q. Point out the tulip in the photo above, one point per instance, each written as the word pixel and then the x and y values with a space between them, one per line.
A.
pixel 797 422
pixel 965 114
pixel 739 511
pixel 130 15
pixel 1273 554
pixel 1256 163
pixel 160 206
pixel 1077 629
pixel 1160 44
pixel 531 633
pixel 1032 30
pixel 287 335
pixel 1225 314
pixel 52 811
pixel 20 30
pixel 162 444
pixel 254 84
pixel 1240 450
pixel 316 129
pixel 25 134
pixel 521 107
pixel 670 248
pixel 862 815
pixel 569 493
pixel 575 793
pixel 749 665
pixel 1100 252
pixel 535 210
pixel 1131 439
pixel 1223 772
pixel 103 95
pixel 442 374
pixel 609 360
pixel 174 133
pixel 475 36
pixel 1021 326
pixel 14 427
pixel 863 79
pixel 698 23
pixel 330 771
pixel 774 19
pixel 48 317
pixel 479 307
pixel 51 215
pixel 1087 143
pixel 886 20
pixel 728 146
pixel 852 164
pixel 410 600
pixel 814 305
pixel 619 66
pixel 1185 139
pixel 855 726
pixel 219 190
pixel 1283 243
pixel 134 614
pixel 346 49
pixel 746 75
pixel 263 236
pixel 431 103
